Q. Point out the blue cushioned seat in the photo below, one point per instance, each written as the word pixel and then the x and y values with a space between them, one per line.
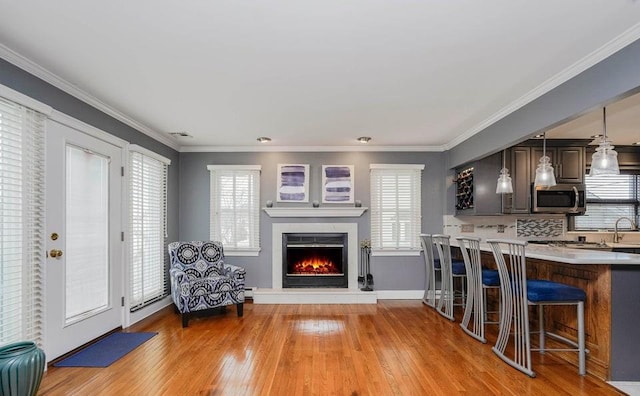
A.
pixel 543 290
pixel 490 277
pixel 457 266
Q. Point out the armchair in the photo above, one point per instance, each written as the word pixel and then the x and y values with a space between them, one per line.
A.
pixel 200 279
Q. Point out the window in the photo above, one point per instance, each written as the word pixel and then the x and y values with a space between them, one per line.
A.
pixel 148 227
pixel 235 208
pixel 396 208
pixel 609 198
pixel 21 222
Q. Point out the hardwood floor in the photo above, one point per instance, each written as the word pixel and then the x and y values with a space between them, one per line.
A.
pixel 396 347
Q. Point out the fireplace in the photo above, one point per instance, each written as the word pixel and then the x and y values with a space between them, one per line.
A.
pixel 314 260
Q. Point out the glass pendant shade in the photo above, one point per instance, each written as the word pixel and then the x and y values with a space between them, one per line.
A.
pixel 545 176
pixel 504 182
pixel 605 159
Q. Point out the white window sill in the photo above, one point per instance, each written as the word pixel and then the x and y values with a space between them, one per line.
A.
pixel 247 253
pixel 398 252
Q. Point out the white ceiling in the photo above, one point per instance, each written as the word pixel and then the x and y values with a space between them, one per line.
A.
pixel 420 74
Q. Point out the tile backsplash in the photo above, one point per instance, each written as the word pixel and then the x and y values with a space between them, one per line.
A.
pixel 506 227
pixel 540 228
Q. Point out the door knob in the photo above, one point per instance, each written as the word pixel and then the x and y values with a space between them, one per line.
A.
pixel 55 253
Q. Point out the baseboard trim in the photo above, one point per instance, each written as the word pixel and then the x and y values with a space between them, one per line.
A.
pixel 400 294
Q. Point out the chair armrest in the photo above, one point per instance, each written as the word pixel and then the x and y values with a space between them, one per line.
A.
pixel 178 276
pixel 234 272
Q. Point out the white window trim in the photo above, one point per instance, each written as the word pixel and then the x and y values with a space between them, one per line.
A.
pixel 397 252
pixel 229 251
pixel 149 153
pixel 397 166
pixel 25 100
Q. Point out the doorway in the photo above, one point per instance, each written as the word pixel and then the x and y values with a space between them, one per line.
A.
pixel 84 259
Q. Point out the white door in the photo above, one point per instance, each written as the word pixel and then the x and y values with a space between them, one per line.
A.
pixel 84 250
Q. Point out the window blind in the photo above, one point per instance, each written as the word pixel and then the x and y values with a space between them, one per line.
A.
pixel 148 228
pixel 396 207
pixel 609 198
pixel 235 207
pixel 21 222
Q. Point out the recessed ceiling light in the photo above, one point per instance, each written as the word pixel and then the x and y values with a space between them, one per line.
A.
pixel 180 135
pixel 635 144
pixel 264 139
pixel 539 136
pixel 364 139
pixel 596 136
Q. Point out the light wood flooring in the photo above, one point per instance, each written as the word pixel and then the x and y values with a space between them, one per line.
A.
pixel 396 347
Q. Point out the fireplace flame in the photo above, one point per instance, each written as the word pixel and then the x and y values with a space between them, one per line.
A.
pixel 315 265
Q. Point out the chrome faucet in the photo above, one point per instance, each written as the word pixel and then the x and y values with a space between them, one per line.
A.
pixel 616 237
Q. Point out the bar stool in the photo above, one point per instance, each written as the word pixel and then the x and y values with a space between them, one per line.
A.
pixel 478 281
pixel 517 293
pixel 448 274
pixel 430 273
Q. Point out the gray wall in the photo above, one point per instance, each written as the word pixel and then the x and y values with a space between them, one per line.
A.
pixel 601 84
pixel 21 81
pixel 390 273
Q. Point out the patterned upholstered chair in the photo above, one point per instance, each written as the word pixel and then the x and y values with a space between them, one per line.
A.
pixel 200 279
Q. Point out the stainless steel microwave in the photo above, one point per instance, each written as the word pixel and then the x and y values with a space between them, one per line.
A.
pixel 561 198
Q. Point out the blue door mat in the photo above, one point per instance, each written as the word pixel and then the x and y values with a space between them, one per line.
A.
pixel 106 351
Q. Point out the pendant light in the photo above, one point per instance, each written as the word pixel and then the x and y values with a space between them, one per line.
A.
pixel 605 159
pixel 545 176
pixel 504 180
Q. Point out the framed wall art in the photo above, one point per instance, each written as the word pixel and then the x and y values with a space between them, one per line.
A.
pixel 293 183
pixel 337 183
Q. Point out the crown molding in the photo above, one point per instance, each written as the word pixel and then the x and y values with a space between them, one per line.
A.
pixel 299 149
pixel 33 68
pixel 616 44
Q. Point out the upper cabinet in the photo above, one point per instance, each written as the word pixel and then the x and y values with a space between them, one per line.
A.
pixel 567 158
pixel 476 183
pixel 519 164
pixel 476 187
pixel 568 163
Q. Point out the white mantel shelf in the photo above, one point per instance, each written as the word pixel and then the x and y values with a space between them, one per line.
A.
pixel 316 212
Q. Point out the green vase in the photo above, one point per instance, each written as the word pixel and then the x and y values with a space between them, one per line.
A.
pixel 21 368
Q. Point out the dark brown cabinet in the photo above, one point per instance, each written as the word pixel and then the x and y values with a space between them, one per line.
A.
pixel 519 165
pixel 476 187
pixel 568 162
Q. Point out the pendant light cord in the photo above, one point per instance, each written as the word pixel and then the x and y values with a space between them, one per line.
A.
pixel 604 123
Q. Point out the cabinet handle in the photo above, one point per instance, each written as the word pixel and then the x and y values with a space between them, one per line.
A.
pixel 559 170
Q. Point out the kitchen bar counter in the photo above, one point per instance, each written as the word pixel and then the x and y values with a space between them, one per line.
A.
pixel 573 256
pixel 611 281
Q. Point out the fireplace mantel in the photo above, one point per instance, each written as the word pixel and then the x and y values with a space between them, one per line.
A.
pixel 350 295
pixel 316 212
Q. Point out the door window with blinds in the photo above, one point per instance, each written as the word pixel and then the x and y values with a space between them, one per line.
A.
pixel 148 227
pixel 21 222
pixel 396 208
pixel 608 199
pixel 235 208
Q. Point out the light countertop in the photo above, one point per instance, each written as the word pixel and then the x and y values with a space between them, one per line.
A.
pixel 573 256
